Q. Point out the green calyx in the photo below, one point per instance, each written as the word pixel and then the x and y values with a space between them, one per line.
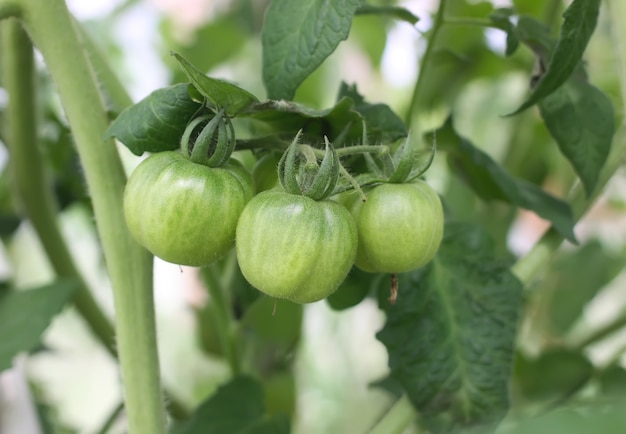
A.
pixel 316 181
pixel 215 142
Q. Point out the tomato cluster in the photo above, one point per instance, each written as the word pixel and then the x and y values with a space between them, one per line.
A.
pixel 288 245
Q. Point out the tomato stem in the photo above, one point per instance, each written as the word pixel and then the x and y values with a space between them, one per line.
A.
pixel 223 318
pixel 396 419
pixel 130 267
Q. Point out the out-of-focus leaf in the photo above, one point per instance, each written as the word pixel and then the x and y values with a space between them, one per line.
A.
pixel 553 375
pixel 155 123
pixel 492 182
pixel 580 118
pixel 450 335
pixel 574 279
pixel 219 92
pixel 579 22
pixel 25 315
pixel 297 37
pixel 213 43
pixel 237 407
pixel 397 12
pixel 279 328
pixel 613 381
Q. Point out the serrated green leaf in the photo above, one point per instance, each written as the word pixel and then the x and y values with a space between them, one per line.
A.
pixel 573 281
pixel 397 12
pixel 552 375
pixel 297 36
pixel 579 22
pixel 492 182
pixel 450 335
pixel 155 123
pixel 220 93
pixel 580 118
pixel 383 125
pixel 237 408
pixel 25 315
pixel 501 19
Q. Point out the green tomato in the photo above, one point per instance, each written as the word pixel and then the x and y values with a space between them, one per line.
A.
pixel 290 246
pixel 400 227
pixel 183 212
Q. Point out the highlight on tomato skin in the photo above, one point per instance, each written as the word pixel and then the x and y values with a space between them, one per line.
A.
pixel 183 212
pixel 400 227
pixel 293 247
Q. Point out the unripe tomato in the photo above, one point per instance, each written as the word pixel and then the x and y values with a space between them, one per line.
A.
pixel 293 247
pixel 183 212
pixel 400 227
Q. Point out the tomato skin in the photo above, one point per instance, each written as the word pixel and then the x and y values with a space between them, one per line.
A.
pixel 400 227
pixel 183 212
pixel 290 246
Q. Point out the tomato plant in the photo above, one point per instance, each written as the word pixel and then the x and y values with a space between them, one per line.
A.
pixel 485 286
pixel 293 247
pixel 184 212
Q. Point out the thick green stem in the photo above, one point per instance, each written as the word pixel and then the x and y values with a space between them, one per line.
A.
pixel 395 421
pixel 223 320
pixel 426 62
pixel 52 30
pixel 27 173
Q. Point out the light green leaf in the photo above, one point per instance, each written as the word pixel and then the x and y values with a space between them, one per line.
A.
pixel 25 315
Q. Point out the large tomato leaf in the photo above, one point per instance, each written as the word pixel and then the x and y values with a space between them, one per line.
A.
pixel 450 335
pixel 552 375
pixel 297 36
pixel 155 123
pixel 579 22
pixel 492 182
pixel 573 281
pixel 25 315
pixel 219 92
pixel 238 408
pixel 580 118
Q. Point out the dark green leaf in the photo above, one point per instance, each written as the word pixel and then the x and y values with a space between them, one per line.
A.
pixel 450 335
pixel 581 120
pixel 579 22
pixel 220 93
pixel 501 19
pixel 492 182
pixel 274 322
pixel 25 315
pixel 290 117
pixel 397 12
pixel 353 289
pixel 155 123
pixel 297 36
pixel 553 375
pixel 574 280
pixel 236 408
pixel 383 125
pixel 613 381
